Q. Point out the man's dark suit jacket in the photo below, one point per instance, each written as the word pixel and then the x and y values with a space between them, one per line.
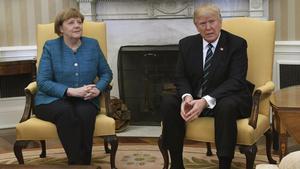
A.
pixel 228 72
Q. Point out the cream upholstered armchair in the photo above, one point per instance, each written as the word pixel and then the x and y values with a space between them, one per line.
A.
pixel 31 128
pixel 260 37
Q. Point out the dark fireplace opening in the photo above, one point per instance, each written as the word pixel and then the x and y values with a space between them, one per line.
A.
pixel 13 85
pixel 289 75
pixel 145 73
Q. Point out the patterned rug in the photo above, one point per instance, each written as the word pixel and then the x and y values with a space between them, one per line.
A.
pixel 132 157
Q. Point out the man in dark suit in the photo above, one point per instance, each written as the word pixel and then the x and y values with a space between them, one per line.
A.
pixel 210 81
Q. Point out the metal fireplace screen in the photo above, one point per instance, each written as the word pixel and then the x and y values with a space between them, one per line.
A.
pixel 289 75
pixel 13 85
pixel 145 73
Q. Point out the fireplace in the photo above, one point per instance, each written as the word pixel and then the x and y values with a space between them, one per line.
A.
pixel 13 85
pixel 145 73
pixel 289 75
pixel 15 75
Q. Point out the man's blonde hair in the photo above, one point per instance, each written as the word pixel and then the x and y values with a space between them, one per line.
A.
pixel 207 9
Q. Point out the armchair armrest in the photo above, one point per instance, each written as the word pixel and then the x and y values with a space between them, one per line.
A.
pixel 106 94
pixel 265 89
pixel 31 87
pixel 30 91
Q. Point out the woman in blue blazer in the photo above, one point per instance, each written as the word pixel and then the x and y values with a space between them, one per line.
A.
pixel 67 94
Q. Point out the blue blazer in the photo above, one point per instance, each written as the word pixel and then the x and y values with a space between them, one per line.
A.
pixel 61 68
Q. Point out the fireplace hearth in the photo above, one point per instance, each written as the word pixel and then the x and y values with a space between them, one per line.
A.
pixel 145 74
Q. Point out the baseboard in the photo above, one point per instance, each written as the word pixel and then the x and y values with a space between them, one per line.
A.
pixel 141 131
pixel 11 111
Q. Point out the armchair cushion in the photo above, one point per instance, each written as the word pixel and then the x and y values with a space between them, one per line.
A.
pixel 37 129
pixel 246 134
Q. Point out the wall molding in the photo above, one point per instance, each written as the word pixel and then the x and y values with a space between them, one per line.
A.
pixel 11 111
pixel 18 52
pixel 287 47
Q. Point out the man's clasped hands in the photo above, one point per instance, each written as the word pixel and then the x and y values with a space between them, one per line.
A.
pixel 191 109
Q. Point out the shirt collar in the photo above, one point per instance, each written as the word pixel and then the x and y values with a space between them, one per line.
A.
pixel 205 43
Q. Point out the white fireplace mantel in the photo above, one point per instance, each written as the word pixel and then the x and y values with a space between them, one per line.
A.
pixel 153 9
pixel 156 22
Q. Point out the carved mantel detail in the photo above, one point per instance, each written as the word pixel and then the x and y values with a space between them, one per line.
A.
pixel 88 9
pixel 153 9
pixel 143 9
pixel 256 8
pixel 89 1
pixel 166 8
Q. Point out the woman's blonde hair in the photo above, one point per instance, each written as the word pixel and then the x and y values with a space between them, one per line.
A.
pixel 65 15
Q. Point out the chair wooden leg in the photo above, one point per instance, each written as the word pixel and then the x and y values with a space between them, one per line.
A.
pixel 250 152
pixel 164 152
pixel 275 135
pixel 43 145
pixel 275 138
pixel 107 149
pixel 113 141
pixel 208 146
pixel 18 146
pixel 268 135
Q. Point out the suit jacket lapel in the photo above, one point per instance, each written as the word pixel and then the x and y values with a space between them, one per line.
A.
pixel 218 54
pixel 198 55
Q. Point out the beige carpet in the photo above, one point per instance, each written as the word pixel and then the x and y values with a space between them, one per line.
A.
pixel 132 157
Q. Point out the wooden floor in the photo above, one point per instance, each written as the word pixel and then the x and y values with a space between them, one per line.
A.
pixel 7 140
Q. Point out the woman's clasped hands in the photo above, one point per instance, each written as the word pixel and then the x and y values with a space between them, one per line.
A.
pixel 86 92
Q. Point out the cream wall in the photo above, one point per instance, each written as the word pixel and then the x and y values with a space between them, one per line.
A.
pixel 18 18
pixel 286 13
